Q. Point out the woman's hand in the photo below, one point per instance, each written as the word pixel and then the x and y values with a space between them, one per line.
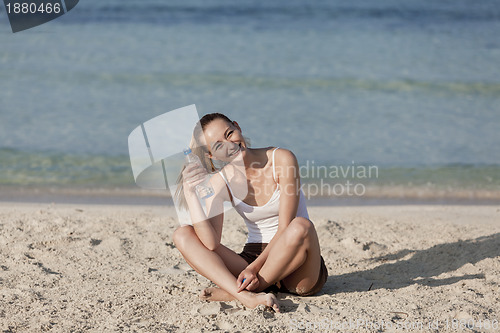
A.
pixel 192 175
pixel 248 280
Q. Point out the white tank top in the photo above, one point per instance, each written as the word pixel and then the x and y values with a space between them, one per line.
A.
pixel 262 221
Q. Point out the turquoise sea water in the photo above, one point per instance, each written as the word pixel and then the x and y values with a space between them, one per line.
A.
pixel 413 87
pixel 101 171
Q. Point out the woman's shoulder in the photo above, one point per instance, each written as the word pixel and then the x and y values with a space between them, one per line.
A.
pixel 229 176
pixel 285 164
pixel 283 156
pixel 217 180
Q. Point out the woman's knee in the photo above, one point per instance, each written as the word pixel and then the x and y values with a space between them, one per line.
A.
pixel 182 235
pixel 299 230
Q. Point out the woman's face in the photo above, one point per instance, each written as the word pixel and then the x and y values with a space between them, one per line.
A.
pixel 224 140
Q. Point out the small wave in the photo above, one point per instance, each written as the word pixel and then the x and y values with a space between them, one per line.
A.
pixel 60 169
pixel 268 82
pixel 19 167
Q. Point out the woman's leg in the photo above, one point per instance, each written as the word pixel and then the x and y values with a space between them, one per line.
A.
pixel 211 265
pixel 213 294
pixel 235 264
pixel 295 258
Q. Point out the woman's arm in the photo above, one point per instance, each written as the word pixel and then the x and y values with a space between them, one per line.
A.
pixel 207 222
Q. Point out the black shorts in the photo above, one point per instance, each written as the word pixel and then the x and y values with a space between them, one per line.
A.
pixel 252 250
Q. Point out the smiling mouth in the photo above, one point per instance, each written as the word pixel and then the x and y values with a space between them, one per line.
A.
pixel 235 151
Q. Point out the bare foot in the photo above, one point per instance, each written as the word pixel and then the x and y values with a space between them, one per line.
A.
pixel 215 294
pixel 269 300
pixel 251 300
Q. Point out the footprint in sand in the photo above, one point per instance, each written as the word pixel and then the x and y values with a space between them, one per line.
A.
pixel 374 247
pixel 208 309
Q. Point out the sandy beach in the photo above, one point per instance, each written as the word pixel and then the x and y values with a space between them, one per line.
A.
pixel 103 268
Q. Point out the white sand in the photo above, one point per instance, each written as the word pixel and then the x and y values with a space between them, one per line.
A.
pixel 75 268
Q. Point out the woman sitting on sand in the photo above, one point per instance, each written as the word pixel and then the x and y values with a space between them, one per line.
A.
pixel 282 249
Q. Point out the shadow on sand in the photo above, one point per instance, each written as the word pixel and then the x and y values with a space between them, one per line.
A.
pixel 420 268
